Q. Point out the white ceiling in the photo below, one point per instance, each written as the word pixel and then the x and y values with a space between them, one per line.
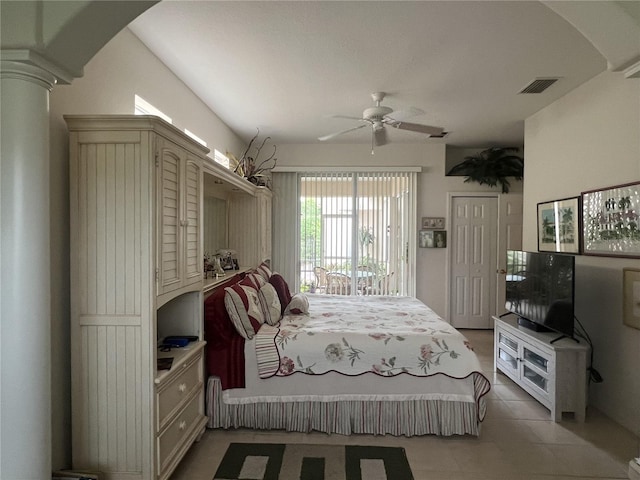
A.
pixel 286 67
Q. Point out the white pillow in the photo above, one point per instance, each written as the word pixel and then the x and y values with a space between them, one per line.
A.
pixel 270 303
pixel 299 304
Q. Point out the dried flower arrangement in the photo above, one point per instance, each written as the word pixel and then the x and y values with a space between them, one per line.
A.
pixel 258 173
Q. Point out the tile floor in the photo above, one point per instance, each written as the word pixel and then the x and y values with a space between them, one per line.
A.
pixel 518 441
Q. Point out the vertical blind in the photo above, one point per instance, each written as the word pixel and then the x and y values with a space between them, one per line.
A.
pixel 355 232
pixel 286 215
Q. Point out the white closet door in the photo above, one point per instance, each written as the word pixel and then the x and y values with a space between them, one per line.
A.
pixel 473 261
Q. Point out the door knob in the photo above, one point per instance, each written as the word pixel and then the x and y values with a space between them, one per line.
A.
pixel 502 271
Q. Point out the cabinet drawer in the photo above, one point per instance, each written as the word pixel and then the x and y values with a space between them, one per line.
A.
pixel 177 391
pixel 536 359
pixel 172 438
pixel 508 342
pixel 535 379
pixel 507 358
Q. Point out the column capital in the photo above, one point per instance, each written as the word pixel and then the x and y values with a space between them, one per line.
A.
pixel 28 65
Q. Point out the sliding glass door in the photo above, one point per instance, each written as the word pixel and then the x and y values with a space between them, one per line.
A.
pixel 355 232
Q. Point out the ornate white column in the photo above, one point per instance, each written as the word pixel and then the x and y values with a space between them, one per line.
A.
pixel 25 343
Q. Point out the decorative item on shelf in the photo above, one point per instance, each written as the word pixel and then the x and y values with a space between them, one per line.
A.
pixel 212 266
pixel 250 167
pixel 228 259
pixel 208 265
pixel 491 167
pixel 217 269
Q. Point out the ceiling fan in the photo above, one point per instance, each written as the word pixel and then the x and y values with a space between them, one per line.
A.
pixel 379 117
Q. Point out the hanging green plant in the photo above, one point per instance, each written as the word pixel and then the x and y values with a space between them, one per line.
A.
pixel 491 167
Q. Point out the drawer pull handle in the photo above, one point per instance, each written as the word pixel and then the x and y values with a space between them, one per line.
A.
pixel 182 425
pixel 182 387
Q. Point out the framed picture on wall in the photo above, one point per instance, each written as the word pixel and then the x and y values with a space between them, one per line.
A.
pixel 559 226
pixel 611 221
pixel 432 239
pixel 631 297
pixel 425 239
pixel 440 238
pixel 432 223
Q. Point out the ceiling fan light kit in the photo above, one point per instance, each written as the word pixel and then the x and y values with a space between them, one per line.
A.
pixel 380 116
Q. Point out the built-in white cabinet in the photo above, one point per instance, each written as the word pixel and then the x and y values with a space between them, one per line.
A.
pixel 247 227
pixel 555 374
pixel 136 277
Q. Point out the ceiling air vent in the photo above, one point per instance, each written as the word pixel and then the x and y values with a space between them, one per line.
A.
pixel 539 85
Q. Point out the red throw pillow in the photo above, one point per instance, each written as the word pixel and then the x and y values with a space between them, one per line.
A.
pixel 217 325
pixel 284 294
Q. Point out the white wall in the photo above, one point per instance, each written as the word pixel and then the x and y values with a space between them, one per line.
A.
pixel 122 69
pixel 586 140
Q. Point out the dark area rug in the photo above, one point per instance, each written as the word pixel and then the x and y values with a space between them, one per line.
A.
pixel 277 461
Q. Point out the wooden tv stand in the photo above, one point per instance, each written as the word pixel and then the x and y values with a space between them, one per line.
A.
pixel 555 374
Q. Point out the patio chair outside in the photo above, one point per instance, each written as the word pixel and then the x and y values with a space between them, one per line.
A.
pixel 321 279
pixel 338 283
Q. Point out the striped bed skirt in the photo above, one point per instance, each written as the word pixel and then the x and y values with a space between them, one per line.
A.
pixel 406 417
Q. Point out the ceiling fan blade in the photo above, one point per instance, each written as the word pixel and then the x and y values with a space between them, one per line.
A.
pixel 405 113
pixel 333 135
pixel 417 127
pixel 380 137
pixel 347 117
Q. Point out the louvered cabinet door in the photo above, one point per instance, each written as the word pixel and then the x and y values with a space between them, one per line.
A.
pixel 192 224
pixel 170 159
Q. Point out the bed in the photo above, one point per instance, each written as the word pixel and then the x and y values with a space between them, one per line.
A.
pixel 344 364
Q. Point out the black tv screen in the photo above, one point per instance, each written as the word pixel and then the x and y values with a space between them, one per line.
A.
pixel 540 290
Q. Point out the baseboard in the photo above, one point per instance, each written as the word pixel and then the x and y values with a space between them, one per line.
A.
pixel 634 470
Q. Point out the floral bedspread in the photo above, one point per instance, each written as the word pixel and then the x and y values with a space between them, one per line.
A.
pixel 355 335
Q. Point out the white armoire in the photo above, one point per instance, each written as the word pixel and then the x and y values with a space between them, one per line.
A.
pixel 136 277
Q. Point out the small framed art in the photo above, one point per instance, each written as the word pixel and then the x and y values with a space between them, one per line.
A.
pixel 425 240
pixel 631 297
pixel 432 223
pixel 440 238
pixel 433 239
pixel 559 226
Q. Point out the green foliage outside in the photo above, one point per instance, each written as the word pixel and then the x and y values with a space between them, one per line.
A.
pixel 310 231
pixel 311 243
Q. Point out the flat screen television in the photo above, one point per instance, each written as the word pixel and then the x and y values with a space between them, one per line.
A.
pixel 540 290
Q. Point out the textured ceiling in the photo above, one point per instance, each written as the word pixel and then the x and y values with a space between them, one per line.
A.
pixel 286 67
